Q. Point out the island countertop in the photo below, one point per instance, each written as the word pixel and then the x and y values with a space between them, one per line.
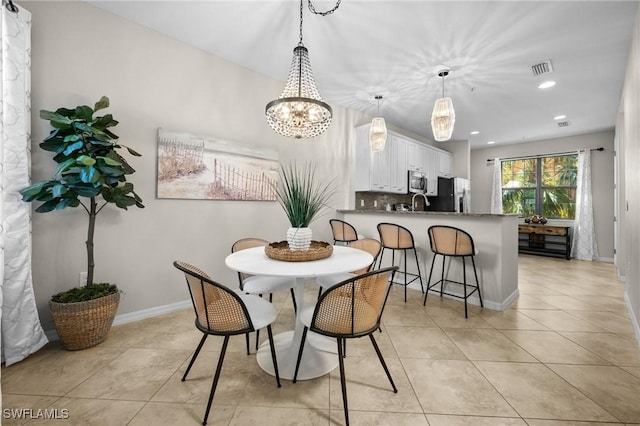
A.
pixel 495 237
pixel 425 213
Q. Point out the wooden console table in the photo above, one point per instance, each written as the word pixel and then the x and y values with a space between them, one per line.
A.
pixel 544 240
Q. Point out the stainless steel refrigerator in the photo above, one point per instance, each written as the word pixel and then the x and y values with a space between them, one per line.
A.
pixel 454 195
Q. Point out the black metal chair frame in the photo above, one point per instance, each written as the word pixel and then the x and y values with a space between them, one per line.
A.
pixel 207 331
pixel 341 338
pixel 444 281
pixel 404 255
pixel 344 225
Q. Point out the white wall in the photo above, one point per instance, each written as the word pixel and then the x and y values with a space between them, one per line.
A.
pixel 602 181
pixel 80 53
pixel 628 141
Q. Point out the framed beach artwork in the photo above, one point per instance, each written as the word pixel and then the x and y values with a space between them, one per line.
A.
pixel 203 167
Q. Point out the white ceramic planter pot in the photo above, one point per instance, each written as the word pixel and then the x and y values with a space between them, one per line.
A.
pixel 299 238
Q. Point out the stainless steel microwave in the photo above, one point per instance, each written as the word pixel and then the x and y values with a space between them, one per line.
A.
pixel 417 182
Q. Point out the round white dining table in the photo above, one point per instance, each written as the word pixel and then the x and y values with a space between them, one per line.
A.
pixel 320 354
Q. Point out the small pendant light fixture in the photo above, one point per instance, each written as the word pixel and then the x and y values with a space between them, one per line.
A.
pixel 443 116
pixel 377 131
pixel 300 112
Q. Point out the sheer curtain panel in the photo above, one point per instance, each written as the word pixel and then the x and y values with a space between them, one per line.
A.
pixel 583 241
pixel 496 188
pixel 22 333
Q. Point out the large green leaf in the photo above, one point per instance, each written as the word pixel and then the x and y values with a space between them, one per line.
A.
pixel 110 161
pixel 54 145
pixel 30 193
pixel 89 174
pixel 52 116
pixel 47 206
pixel 71 138
pixel 72 147
pixel 132 152
pixel 59 190
pixel 85 160
pixel 84 112
pixel 101 104
pixel 64 166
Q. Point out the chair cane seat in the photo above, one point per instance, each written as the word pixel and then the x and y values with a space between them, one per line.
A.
pixel 261 311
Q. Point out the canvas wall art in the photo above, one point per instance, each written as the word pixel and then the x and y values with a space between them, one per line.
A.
pixel 203 167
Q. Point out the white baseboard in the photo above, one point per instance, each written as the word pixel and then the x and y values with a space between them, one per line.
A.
pixel 606 259
pixel 634 317
pixel 136 316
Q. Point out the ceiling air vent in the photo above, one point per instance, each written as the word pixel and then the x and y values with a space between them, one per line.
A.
pixel 563 124
pixel 542 68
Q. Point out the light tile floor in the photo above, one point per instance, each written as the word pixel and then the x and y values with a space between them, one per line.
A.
pixel 563 355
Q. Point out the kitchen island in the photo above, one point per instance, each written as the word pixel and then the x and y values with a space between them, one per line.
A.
pixel 495 237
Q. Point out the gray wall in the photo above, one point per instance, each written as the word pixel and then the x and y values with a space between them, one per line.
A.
pixel 602 177
pixel 628 148
pixel 80 53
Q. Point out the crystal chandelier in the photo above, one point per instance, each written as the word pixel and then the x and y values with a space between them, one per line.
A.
pixel 377 131
pixel 300 112
pixel 443 116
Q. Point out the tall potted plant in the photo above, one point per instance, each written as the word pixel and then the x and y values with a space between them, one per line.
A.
pixel 302 197
pixel 91 173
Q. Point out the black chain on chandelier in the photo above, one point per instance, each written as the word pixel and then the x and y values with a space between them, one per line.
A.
pixel 315 12
pixel 10 6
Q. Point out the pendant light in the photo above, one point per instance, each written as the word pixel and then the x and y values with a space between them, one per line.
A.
pixel 300 112
pixel 377 131
pixel 443 116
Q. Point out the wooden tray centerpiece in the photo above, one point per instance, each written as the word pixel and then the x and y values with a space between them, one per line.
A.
pixel 280 251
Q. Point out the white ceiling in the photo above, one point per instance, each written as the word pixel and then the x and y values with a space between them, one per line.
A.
pixel 396 47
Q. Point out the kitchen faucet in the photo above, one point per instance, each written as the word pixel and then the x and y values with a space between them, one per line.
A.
pixel 413 200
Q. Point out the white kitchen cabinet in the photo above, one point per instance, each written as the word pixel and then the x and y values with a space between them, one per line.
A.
pixel 445 164
pixel 415 156
pixel 386 171
pixel 372 168
pixel 431 170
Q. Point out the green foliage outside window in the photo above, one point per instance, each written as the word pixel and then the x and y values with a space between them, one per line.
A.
pixel 544 186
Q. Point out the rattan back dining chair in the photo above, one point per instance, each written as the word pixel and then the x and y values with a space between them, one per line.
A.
pixel 262 284
pixel 348 310
pixel 369 245
pixel 343 232
pixel 448 241
pixel 222 312
pixel 398 238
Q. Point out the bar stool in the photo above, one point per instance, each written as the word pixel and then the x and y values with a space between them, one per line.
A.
pixel 398 238
pixel 452 242
pixel 343 232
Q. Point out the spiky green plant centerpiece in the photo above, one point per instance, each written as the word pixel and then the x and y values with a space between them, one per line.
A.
pixel 302 197
pixel 89 167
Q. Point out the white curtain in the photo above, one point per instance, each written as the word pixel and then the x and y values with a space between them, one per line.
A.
pixel 496 188
pixel 22 333
pixel 583 242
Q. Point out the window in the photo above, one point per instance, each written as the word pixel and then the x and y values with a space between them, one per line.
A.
pixel 545 186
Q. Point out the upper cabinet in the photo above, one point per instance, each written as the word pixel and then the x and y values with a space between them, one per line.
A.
pixel 398 177
pixel 445 164
pixel 386 171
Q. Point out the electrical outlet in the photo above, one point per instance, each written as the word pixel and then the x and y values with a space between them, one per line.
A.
pixel 362 202
pixel 375 203
pixel 83 278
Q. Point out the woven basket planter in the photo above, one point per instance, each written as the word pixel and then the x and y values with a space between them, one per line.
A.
pixel 82 325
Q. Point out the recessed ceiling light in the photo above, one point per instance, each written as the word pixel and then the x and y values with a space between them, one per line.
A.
pixel 475 132
pixel 546 84
pixel 491 142
pixel 560 117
